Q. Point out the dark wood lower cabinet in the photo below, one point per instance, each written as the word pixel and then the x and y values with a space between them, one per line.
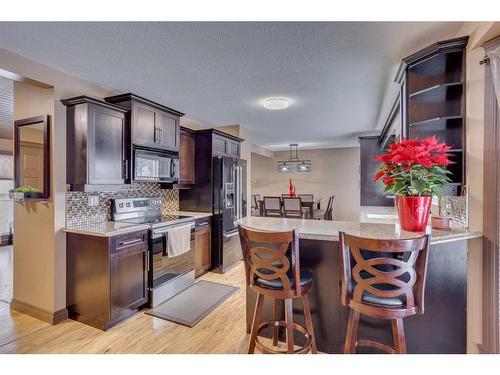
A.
pixel 106 277
pixel 203 255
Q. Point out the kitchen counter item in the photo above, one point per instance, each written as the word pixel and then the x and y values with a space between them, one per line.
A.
pixel 441 222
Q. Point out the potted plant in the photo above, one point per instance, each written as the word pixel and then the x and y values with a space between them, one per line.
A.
pixel 414 170
pixel 27 191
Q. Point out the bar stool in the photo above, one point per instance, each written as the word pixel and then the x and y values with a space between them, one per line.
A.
pixel 383 279
pixel 272 269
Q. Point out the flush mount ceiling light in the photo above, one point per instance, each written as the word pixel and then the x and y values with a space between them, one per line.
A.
pixel 276 103
pixel 302 165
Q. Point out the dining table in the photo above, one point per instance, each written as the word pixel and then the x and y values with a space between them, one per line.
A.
pixel 309 205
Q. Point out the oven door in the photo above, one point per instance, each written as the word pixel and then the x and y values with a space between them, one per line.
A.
pixel 164 269
pixel 155 166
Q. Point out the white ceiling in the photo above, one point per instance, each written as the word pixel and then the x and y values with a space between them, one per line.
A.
pixel 336 74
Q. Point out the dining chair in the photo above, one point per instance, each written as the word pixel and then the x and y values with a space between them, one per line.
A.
pixel 382 279
pixel 292 207
pixel 255 205
pixel 272 206
pixel 308 199
pixel 327 214
pixel 286 196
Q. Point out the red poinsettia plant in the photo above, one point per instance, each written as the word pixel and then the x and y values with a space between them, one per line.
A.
pixel 413 167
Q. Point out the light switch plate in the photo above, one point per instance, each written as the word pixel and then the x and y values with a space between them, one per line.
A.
pixel 93 200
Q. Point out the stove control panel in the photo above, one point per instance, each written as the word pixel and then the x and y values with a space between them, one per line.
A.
pixel 126 205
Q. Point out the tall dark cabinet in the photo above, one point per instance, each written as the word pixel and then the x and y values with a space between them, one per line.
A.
pixel 96 152
pixel 433 100
pixel 152 125
pixel 372 194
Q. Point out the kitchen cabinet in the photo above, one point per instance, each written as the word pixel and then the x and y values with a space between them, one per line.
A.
pixel 106 277
pixel 372 194
pixel 203 235
pixel 97 136
pixel 224 145
pixel 208 143
pixel 152 125
pixel 186 157
pixel 433 87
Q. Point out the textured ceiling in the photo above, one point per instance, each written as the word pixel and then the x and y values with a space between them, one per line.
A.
pixel 336 74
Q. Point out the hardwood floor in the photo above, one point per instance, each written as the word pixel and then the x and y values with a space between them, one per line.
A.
pixel 222 331
pixel 6 273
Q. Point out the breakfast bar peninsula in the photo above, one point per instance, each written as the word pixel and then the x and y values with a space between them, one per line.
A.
pixel 441 329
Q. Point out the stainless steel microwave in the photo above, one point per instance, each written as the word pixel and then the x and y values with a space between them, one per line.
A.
pixel 155 165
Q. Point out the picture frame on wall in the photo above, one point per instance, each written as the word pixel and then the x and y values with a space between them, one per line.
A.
pixel 6 166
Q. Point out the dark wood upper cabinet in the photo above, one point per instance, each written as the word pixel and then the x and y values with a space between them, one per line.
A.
pixel 225 144
pixel 433 100
pixel 96 149
pixel 186 157
pixel 152 125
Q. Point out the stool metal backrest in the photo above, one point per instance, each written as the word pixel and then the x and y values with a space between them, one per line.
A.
pixel 399 265
pixel 271 256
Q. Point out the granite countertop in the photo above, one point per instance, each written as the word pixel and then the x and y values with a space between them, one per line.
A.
pixel 329 230
pixel 106 229
pixel 194 214
pixel 112 228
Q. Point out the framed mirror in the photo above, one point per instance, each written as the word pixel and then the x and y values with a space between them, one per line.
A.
pixel 32 157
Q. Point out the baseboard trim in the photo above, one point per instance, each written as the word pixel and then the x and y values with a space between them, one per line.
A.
pixel 483 349
pixel 43 315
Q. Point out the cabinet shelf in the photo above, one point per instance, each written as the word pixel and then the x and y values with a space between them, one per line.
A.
pixel 435 119
pixel 436 91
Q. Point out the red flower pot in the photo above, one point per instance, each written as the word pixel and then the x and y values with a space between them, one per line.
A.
pixel 413 212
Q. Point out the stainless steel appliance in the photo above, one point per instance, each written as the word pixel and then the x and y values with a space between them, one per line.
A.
pixel 155 165
pixel 229 205
pixel 166 276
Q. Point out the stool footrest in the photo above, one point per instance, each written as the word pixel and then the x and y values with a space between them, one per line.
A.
pixel 281 323
pixel 376 345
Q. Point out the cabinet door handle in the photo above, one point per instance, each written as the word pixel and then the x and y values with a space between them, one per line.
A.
pixel 146 253
pixel 130 242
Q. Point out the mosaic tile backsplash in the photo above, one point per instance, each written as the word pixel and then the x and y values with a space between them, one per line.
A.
pixel 456 208
pixel 78 211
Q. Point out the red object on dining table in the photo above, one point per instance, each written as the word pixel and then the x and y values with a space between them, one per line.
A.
pixel 292 189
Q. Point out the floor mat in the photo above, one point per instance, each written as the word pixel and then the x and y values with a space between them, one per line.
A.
pixel 193 304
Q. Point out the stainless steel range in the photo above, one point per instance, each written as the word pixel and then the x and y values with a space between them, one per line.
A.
pixel 166 276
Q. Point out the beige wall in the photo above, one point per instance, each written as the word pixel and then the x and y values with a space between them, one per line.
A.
pixel 40 244
pixel 478 32
pixel 6 145
pixel 334 171
pixel 33 221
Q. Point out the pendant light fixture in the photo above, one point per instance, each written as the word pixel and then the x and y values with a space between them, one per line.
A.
pixel 293 159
